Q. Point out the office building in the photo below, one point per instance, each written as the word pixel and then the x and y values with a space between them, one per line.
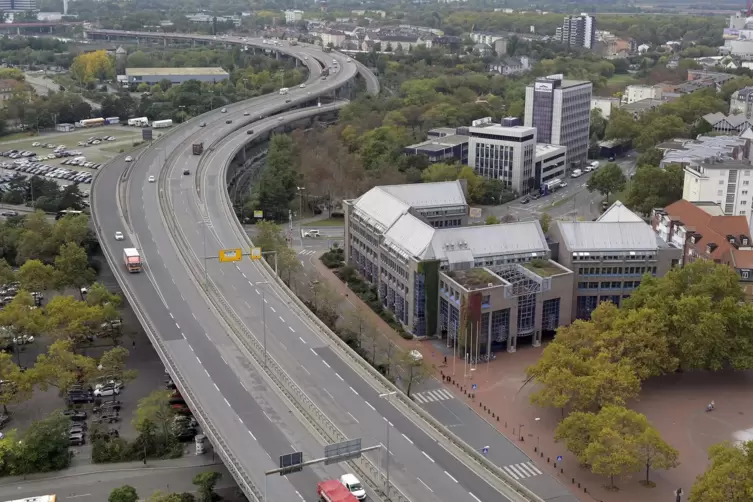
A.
pixel 577 31
pixel 440 278
pixel 704 232
pixel 550 163
pixel 443 145
pixel 176 76
pixel 292 16
pixel 560 110
pixel 18 5
pixel 724 182
pixel 609 256
pixel 503 153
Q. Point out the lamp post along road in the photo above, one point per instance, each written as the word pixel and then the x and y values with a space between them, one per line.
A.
pixel 387 396
pixel 264 318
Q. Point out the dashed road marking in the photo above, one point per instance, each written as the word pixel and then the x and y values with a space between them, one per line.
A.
pixel 338 376
pixel 215 386
pixel 227 402
pixel 273 309
pixel 407 439
pixel 474 497
pixel 283 320
pixel 205 371
pixel 427 486
pixel 370 405
pixel 450 476
pixel 291 329
pixel 252 435
pixel 302 340
pixel 427 456
pixel 354 418
pixel 354 391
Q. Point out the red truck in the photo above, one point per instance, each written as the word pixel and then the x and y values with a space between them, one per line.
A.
pixel 334 491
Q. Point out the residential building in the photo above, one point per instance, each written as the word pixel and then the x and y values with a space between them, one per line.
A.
pixel 726 182
pixel 293 16
pixel 329 38
pixel 153 76
pixel 503 153
pixel 640 107
pixel 741 102
pixel 485 38
pixel 500 47
pixel 492 284
pixel 609 256
pixel 560 110
pixel 605 105
pixel 717 78
pixel 511 65
pixel 207 19
pixel 578 31
pixel 643 48
pixel 703 232
pixel 7 87
pixel 728 124
pixel 483 49
pixel 635 93
pixel 702 149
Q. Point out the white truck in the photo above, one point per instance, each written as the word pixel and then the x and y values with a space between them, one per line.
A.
pixel 138 122
pixel 284 90
pixel 132 260
pixel 162 124
pixel 576 173
pixel 552 185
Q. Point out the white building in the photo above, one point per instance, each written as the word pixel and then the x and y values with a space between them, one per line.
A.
pixel 291 16
pixel 485 38
pixel 503 153
pixel 550 163
pixel 605 105
pixel 330 37
pixel 577 31
pixel 726 183
pixel 741 102
pixel 635 93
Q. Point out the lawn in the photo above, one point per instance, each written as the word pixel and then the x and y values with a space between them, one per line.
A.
pixel 620 79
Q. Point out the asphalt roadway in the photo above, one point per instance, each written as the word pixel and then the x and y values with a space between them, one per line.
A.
pixel 253 420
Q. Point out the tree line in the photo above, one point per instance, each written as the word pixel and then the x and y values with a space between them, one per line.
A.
pixel 693 318
pixel 205 483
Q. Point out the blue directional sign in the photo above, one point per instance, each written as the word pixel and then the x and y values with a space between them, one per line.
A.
pixel 474 386
pixel 559 458
pixel 485 450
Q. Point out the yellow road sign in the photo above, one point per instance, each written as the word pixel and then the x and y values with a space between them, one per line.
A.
pixel 256 253
pixel 231 254
pixel 258 214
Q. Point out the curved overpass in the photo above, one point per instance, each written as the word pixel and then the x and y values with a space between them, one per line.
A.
pixel 372 83
pixel 208 324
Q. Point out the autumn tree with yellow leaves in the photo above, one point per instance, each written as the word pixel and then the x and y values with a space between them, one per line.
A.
pixel 93 66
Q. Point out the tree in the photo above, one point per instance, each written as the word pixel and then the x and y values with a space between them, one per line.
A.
pixel 60 367
pixel 22 318
pixel 165 497
pixel 608 179
pixel 125 493
pixel 655 452
pixel 491 220
pixel 206 482
pixel 93 66
pixel 729 477
pixel 414 369
pixel 75 320
pixel 621 126
pixel 112 366
pixel 545 220
pixel 155 408
pixel 44 446
pixel 15 386
pixel 6 272
pixel 35 276
pixel 72 267
pixel 653 187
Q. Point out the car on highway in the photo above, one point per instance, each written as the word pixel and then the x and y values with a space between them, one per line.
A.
pixel 203 124
pixel 526 200
pixel 302 86
pixel 563 184
pixel 312 233
pixel 224 110
pixel 129 158
pixel 9 213
pixel 353 485
pixel 246 114
pixel 228 121
pixel 250 131
pixel 152 179
pixel 287 101
pixel 186 172
pixel 119 236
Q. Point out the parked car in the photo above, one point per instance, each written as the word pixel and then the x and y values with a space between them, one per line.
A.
pixel 76 440
pixel 76 415
pixel 107 418
pixel 107 390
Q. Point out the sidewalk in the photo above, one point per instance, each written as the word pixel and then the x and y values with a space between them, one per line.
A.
pixel 85 469
pixel 502 399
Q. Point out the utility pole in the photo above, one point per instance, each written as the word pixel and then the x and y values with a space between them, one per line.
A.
pixel 387 396
pixel 264 317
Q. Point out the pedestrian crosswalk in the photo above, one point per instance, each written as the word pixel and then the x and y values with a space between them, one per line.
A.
pixel 522 470
pixel 307 252
pixel 428 396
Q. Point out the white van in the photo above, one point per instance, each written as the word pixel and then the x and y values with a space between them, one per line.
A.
pixel 576 173
pixel 595 164
pixel 353 485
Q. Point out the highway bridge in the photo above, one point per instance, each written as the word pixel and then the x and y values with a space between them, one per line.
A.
pixel 262 374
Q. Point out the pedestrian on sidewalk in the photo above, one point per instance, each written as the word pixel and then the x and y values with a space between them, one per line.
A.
pixel 445 360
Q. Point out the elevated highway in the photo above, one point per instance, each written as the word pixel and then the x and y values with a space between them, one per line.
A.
pixel 263 376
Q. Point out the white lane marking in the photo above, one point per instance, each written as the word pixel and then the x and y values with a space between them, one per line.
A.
pixel 227 402
pixel 257 291
pixel 207 335
pixel 177 325
pixel 247 305
pixel 304 369
pixel 474 497
pixel 407 439
pixel 223 272
pixel 172 316
pixel 354 391
pixel 427 486
pixel 183 335
pixel 223 360
pixel 354 418
pixel 385 419
pixel 205 371
pixel 244 276
pixel 445 448
pixel 312 350
pixel 215 386
pixel 291 329
pixel 79 496
pixel 302 264
pixel 233 285
pixel 194 315
pixel 301 496
pixel 273 309
pixel 330 395
pixel 252 435
pixel 189 346
pixel 265 301
pixel 450 476
pixel 338 376
pixel 302 340
pixel 197 358
pixel 327 365
pixel 370 405
pixel 244 386
pixel 427 456
pixel 283 320
pixel 241 420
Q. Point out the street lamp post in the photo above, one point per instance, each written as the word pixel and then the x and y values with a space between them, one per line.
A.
pixel 264 318
pixel 203 224
pixel 387 396
pixel 300 212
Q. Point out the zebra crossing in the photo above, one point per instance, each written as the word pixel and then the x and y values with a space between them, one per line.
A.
pixel 429 396
pixel 522 470
pixel 307 252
